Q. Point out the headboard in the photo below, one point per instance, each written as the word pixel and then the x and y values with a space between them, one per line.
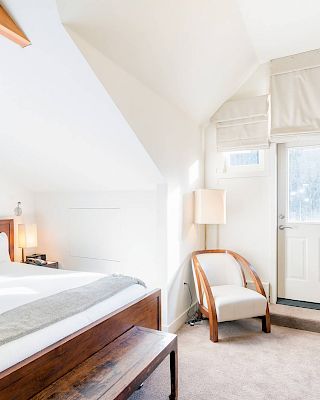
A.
pixel 7 226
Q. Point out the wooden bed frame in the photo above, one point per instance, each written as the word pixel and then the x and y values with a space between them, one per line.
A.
pixel 30 376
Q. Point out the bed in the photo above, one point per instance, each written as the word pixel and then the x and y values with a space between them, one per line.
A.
pixel 32 362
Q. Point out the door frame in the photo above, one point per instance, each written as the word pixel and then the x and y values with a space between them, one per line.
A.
pixel 280 148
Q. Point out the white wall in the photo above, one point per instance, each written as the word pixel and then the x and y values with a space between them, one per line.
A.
pixel 59 127
pixel 173 141
pixel 10 194
pixel 170 136
pixel 251 200
pixel 78 140
pixel 148 234
pixel 108 232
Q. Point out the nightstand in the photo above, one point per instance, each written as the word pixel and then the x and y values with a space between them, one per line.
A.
pixel 52 264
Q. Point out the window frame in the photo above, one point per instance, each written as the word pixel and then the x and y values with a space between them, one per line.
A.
pixel 225 170
pixel 245 167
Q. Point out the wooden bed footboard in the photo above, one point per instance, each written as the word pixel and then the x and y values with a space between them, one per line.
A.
pixel 27 378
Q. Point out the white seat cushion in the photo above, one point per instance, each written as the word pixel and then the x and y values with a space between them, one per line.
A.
pixel 236 302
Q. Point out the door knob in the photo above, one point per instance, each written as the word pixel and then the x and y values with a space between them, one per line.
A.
pixel 283 227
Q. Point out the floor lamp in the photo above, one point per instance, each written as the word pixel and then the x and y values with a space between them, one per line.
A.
pixel 210 209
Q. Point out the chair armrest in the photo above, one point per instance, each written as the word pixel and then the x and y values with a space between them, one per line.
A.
pixel 249 267
pixel 243 263
pixel 203 286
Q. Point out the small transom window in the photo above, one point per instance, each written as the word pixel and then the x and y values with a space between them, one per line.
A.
pixel 241 163
pixel 243 158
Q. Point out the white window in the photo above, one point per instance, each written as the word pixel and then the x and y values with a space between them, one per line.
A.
pixel 242 163
pixel 245 158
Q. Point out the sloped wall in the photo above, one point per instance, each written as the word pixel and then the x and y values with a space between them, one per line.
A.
pixel 174 142
pixel 71 132
pixel 63 137
pixel 152 77
pixel 60 129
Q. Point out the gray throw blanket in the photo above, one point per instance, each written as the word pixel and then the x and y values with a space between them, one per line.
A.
pixel 41 313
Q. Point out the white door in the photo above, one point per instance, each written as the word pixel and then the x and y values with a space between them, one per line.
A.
pixel 299 222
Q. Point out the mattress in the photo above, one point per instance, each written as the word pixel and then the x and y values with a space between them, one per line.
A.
pixel 22 283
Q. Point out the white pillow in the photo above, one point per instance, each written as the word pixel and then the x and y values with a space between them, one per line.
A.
pixel 4 248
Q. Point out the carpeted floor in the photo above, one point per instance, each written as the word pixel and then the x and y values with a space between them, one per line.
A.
pixel 246 364
pixel 295 317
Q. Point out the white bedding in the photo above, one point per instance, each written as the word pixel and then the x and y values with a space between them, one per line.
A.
pixel 22 283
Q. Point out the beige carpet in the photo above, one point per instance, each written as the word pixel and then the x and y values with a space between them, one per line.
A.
pixel 246 364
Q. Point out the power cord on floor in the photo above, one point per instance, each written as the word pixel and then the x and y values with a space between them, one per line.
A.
pixel 196 317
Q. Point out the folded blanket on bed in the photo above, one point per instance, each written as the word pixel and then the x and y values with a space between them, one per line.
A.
pixel 41 313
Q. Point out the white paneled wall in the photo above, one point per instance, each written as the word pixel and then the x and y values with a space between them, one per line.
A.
pixel 110 232
pixel 96 233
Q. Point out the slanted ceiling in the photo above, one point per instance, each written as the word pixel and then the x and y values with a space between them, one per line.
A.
pixel 59 129
pixel 194 54
pixel 278 28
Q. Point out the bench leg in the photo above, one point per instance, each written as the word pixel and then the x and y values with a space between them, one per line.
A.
pixel 174 375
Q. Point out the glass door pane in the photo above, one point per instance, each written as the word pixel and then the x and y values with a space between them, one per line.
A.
pixel 304 184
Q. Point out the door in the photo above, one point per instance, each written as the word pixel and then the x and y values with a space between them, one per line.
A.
pixel 299 222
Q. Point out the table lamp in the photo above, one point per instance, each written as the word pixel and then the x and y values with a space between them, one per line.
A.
pixel 210 208
pixel 27 237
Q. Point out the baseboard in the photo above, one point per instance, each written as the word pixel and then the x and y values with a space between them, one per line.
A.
pixel 180 320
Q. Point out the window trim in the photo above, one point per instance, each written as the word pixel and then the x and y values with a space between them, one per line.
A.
pixel 244 167
pixel 222 171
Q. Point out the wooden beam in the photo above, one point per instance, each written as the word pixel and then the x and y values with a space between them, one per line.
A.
pixel 10 29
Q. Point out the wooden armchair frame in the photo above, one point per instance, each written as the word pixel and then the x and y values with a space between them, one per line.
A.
pixel 204 287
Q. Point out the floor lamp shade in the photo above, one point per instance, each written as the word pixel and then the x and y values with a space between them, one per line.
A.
pixel 210 206
pixel 27 236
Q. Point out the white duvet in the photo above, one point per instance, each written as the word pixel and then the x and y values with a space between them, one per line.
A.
pixel 22 283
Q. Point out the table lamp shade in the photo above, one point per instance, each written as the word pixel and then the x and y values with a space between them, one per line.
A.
pixel 27 236
pixel 210 206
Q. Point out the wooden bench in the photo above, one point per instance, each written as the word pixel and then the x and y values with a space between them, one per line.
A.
pixel 119 369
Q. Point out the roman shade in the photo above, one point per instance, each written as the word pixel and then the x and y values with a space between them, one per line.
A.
pixel 295 97
pixel 243 124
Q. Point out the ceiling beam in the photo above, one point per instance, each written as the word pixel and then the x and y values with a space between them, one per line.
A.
pixel 10 29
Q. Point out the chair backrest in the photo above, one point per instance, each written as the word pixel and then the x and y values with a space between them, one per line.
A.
pixel 221 269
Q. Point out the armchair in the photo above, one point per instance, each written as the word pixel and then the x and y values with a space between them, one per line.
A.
pixel 221 289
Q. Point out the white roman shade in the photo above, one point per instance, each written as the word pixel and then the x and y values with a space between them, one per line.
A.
pixel 243 124
pixel 295 97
